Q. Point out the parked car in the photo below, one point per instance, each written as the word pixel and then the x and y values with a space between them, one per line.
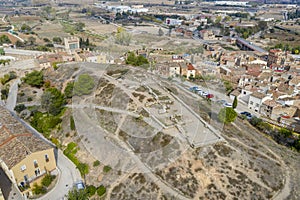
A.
pixel 204 93
pixel 247 114
pixel 79 185
pixel 194 88
pixel 227 104
pixel 210 96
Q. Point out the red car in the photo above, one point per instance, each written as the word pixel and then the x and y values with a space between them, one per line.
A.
pixel 209 96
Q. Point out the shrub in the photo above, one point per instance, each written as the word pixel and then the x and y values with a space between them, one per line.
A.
pixel 101 190
pixel 38 189
pixel 69 89
pixel 72 123
pixel 227 115
pixel 7 77
pixel 83 168
pixel 96 163
pixel 35 78
pixel 47 180
pixel 84 85
pixel 106 168
pixel 90 190
pixel 20 107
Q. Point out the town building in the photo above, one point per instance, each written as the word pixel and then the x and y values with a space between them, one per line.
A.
pixel 256 99
pixel 72 44
pixel 276 57
pixel 24 157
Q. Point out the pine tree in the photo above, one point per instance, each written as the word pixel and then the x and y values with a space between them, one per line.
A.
pixel 235 102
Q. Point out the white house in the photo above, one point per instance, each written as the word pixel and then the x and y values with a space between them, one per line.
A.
pixel 256 99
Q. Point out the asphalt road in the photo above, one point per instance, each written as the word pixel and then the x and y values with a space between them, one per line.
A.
pixel 12 95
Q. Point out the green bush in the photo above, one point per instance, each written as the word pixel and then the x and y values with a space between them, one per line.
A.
pixel 69 89
pixel 77 195
pixel 106 168
pixel 83 168
pixel 96 163
pixel 47 180
pixel 101 190
pixel 90 190
pixel 7 77
pixel 53 101
pixel 72 123
pixel 70 152
pixel 20 107
pixel 84 85
pixel 134 60
pixel 35 78
pixel 38 189
pixel 227 115
pixel 44 123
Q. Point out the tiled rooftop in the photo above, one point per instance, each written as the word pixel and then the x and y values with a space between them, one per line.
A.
pixel 16 142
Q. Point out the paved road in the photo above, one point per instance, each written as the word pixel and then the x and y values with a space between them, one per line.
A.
pixel 12 95
pixel 221 96
pixel 67 177
pixel 68 174
pixel 23 52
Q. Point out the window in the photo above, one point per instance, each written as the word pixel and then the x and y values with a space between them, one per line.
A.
pixel 251 102
pixel 37 172
pixel 47 158
pixel 26 178
pixel 257 105
pixel 23 167
pixel 35 163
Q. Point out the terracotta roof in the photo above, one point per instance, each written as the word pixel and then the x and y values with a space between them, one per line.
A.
pixel 258 95
pixel 190 67
pixel 16 142
pixel 271 103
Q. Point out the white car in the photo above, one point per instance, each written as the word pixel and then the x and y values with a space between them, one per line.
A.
pixel 227 105
pixel 204 93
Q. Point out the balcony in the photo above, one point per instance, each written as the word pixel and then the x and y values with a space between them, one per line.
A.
pixel 33 178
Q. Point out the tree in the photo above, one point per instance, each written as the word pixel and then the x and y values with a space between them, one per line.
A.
pixel 7 77
pixel 227 115
pixel 90 190
pixel 19 108
pixel 53 101
pixel 72 123
pixel 160 32
pixel 84 85
pixel 35 78
pixel 123 37
pixel 69 89
pixel 101 190
pixel 79 26
pixel 25 28
pixel 19 44
pixel 77 195
pixel 235 103
pixel 285 132
pixel 4 39
pixel 57 40
pixel 2 52
pixel 83 168
pixel 31 40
